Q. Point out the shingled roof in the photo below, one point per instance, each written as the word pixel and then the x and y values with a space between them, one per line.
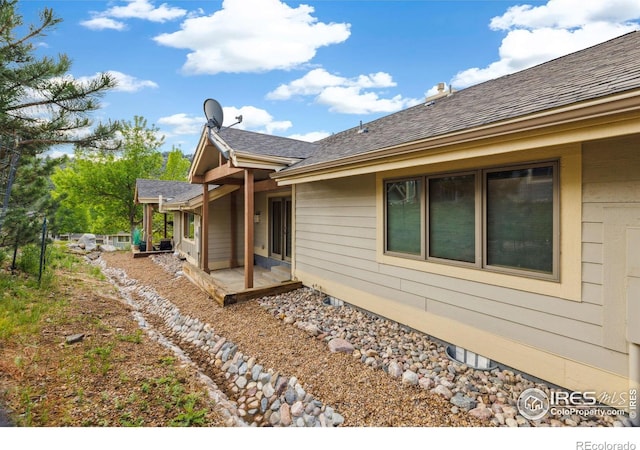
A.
pixel 602 70
pixel 266 144
pixel 152 189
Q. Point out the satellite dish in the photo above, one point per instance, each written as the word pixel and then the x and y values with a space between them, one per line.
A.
pixel 213 113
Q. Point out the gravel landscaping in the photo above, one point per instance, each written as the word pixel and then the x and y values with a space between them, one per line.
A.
pixel 294 360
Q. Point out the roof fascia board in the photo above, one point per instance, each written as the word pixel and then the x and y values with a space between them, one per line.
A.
pixel 200 148
pixel 243 159
pixel 595 110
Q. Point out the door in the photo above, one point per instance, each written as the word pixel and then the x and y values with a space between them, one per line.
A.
pixel 280 213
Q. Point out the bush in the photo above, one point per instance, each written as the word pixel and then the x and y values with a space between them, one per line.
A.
pixel 3 256
pixel 29 260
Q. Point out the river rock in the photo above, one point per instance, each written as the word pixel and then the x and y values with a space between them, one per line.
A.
pixel 340 345
pixel 410 378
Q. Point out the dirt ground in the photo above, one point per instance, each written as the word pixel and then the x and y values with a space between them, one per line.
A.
pixel 116 376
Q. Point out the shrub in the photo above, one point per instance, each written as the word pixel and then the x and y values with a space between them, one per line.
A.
pixel 29 260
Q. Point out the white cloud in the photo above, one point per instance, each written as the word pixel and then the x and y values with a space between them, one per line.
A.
pixel 312 83
pixel 125 83
pixel 255 119
pixel 313 136
pixel 59 153
pixel 252 36
pixel 128 83
pixel 134 9
pixel 344 95
pixel 145 10
pixel 181 124
pixel 539 34
pixel 567 14
pixel 103 23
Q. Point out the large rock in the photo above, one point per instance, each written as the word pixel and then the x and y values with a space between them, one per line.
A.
pixel 340 345
pixel 410 378
pixel 87 242
pixel 395 370
pixel 285 415
pixel 485 414
pixel 425 383
pixel 463 402
pixel 442 390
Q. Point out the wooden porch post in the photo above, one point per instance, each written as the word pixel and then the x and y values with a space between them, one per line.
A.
pixel 233 223
pixel 165 225
pixel 149 227
pixel 248 228
pixel 204 229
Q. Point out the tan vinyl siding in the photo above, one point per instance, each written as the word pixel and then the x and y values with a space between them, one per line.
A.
pixel 261 229
pixel 220 231
pixel 186 247
pixel 611 204
pixel 336 240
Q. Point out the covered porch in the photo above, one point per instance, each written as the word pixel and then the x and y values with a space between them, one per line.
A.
pixel 248 203
pixel 153 195
pixel 228 286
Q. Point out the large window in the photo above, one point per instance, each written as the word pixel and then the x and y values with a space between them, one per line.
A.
pixel 500 219
pixel 452 217
pixel 404 216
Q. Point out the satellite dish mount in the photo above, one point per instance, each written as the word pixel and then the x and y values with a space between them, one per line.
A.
pixel 215 116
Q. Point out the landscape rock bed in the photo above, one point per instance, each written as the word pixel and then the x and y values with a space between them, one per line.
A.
pixel 253 394
pixel 416 360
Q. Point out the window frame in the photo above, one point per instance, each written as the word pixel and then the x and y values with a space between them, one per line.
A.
pixel 187 218
pixel 421 192
pixel 555 271
pixel 478 230
pixel 481 252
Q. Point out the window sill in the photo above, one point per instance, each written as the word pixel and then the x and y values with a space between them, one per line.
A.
pixel 568 288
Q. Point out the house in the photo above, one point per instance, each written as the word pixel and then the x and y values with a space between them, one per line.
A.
pixel 121 240
pixel 503 218
pixel 154 195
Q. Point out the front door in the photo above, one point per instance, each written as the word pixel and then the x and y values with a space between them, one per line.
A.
pixel 280 228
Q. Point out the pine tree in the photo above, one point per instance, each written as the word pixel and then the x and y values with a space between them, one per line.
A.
pixel 30 202
pixel 41 104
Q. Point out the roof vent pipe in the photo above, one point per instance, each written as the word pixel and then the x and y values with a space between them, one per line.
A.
pixel 362 130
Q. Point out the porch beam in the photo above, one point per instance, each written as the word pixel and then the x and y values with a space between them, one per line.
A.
pixel 204 231
pixel 217 174
pixel 265 185
pixel 248 228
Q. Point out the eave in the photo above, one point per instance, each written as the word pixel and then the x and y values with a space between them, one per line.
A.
pixel 205 169
pixel 594 118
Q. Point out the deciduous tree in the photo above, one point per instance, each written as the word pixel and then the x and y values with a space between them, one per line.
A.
pixel 104 182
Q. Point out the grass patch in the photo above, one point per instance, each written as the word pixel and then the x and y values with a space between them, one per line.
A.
pixel 113 378
pixel 100 358
pixel 135 338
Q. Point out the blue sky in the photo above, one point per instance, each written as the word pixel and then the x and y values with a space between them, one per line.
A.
pixel 308 69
